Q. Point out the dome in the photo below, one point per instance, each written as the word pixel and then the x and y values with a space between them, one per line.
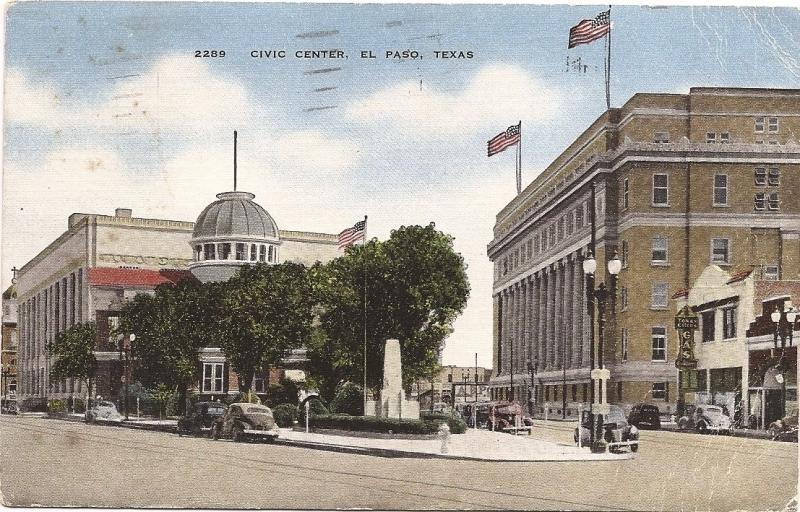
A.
pixel 234 215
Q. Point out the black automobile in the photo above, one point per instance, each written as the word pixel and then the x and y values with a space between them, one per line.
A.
pixel 616 430
pixel 645 416
pixel 200 418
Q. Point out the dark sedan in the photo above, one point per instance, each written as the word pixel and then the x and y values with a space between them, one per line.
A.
pixel 200 418
pixel 645 416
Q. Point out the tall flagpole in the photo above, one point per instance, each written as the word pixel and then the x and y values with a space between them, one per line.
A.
pixel 608 62
pixel 519 160
pixel 365 313
pixel 234 160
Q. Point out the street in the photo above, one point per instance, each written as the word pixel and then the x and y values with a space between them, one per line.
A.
pixel 55 463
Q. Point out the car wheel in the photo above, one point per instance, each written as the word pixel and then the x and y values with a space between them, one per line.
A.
pixel 682 424
pixel 701 428
pixel 215 432
pixel 635 447
pixel 238 434
pixel 197 431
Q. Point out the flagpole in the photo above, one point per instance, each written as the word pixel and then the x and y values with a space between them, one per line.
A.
pixel 365 314
pixel 608 62
pixel 519 160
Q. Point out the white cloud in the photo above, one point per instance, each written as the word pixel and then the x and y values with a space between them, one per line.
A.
pixel 497 95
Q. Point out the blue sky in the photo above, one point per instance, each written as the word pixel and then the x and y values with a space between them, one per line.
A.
pixel 105 106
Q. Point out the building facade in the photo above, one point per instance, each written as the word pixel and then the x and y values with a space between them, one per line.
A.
pixel 672 184
pixel 10 343
pixel 101 261
pixel 453 384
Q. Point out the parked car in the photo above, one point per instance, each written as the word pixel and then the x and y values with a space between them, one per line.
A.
pixel 508 417
pixel 616 430
pixel 9 407
pixel 103 410
pixel 244 421
pixel 200 418
pixel 706 419
pixel 645 416
pixel 784 429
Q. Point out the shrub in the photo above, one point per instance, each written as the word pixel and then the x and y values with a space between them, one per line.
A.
pixel 374 424
pixel 349 399
pixel 249 398
pixel 316 407
pixel 56 406
pixel 284 414
pixel 283 393
pixel 457 425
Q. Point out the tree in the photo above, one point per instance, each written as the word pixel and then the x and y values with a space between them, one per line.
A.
pixel 171 326
pixel 72 355
pixel 416 287
pixel 266 310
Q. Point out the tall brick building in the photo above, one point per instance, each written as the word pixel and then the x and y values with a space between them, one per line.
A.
pixel 102 260
pixel 679 183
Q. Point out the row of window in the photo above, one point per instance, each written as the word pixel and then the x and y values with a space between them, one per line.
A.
pixel 212 380
pixel 761 124
pixel 659 251
pixel 708 324
pixel 763 176
pixel 660 391
pixel 222 251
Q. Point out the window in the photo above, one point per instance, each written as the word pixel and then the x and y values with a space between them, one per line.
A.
pixel 240 252
pixel 579 217
pixel 273 254
pixel 658 297
pixel 546 393
pixel 552 235
pixel 729 323
pixel 720 189
pixel 262 253
pixel 624 254
pixel 530 249
pixel 773 204
pixel 570 223
pixel 225 251
pixel 624 297
pixel 711 138
pixel 720 250
pixel 660 189
pixel 210 251
pixel 759 124
pixel 625 193
pixel 708 325
pixel 198 252
pixel 624 344
pixel 260 382
pixel 659 343
pixel 760 201
pixel 774 176
pixel 661 137
pixel 761 176
pixel 524 251
pixel 659 391
pixel 212 377
pixel 724 138
pixel 253 252
pixel 772 125
pixel 771 272
pixel 536 243
pixel 659 249
pixel 561 228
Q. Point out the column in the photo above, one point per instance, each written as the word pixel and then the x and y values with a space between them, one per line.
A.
pixel 524 334
pixel 529 351
pixel 544 358
pixel 577 312
pixel 569 334
pixel 551 303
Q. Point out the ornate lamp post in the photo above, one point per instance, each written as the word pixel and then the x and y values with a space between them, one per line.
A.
pixel 784 325
pixel 599 373
pixel 124 344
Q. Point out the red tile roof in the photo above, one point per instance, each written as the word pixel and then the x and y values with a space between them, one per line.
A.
pixel 683 292
pixel 102 276
pixel 739 276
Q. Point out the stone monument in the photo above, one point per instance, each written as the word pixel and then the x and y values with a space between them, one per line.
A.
pixel 392 402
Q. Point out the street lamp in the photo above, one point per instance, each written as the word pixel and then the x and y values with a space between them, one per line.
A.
pixel 783 330
pixel 599 374
pixel 124 344
pixel 532 388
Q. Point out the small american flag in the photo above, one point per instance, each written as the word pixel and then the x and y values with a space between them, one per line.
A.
pixel 504 139
pixel 352 235
pixel 590 30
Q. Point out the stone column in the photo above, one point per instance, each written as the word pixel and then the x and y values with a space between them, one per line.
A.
pixel 544 358
pixel 577 312
pixel 524 334
pixel 551 302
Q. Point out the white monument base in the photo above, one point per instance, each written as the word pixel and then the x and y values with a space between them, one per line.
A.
pixel 392 403
pixel 405 409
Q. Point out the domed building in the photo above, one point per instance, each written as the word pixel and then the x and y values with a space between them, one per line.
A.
pixel 232 231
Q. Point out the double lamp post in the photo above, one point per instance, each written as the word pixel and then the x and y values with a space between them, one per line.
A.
pixel 784 325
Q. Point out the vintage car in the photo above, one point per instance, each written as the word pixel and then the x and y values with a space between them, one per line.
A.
pixel 200 418
pixel 645 416
pixel 103 410
pixel 784 429
pixel 617 432
pixel 705 419
pixel 243 421
pixel 508 417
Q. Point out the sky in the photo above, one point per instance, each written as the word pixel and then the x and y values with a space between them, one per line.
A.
pixel 106 106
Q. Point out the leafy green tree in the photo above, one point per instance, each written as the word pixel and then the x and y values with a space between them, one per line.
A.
pixel 416 286
pixel 266 310
pixel 171 326
pixel 72 354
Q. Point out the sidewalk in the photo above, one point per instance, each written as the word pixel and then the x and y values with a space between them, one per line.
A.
pixel 473 445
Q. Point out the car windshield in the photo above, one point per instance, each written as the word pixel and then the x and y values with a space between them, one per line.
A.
pixel 106 404
pixel 615 414
pixel 256 409
pixel 216 408
pixel 713 411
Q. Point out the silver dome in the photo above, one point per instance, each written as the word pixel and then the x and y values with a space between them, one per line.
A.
pixel 234 215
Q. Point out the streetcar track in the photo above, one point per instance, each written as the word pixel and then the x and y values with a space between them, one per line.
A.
pixel 133 445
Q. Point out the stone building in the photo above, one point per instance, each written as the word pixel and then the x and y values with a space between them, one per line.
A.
pixel 102 260
pixel 9 344
pixel 673 183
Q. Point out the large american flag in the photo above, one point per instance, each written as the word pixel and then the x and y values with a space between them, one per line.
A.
pixel 504 139
pixel 590 30
pixel 352 235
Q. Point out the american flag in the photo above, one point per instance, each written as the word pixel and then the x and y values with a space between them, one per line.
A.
pixel 590 30
pixel 505 139
pixel 352 235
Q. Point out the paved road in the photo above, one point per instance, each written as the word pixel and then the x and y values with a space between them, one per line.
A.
pixel 51 462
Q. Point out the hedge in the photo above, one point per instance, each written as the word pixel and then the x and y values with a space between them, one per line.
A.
pixel 375 424
pixel 285 415
pixel 457 425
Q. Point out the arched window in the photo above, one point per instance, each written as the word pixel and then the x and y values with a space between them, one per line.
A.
pixel 198 252
pixel 253 250
pixel 262 253
pixel 240 252
pixel 210 251
pixel 271 253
